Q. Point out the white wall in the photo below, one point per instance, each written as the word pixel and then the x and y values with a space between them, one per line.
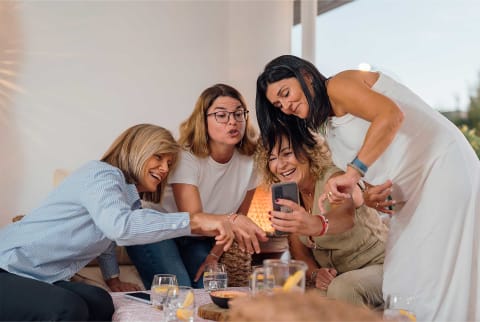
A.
pixel 73 75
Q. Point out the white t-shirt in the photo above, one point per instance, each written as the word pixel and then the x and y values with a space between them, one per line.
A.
pixel 222 186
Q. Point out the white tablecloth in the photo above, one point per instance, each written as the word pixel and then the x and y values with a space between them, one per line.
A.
pixel 130 310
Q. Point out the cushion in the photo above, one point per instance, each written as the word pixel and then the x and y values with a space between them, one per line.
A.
pixel 93 276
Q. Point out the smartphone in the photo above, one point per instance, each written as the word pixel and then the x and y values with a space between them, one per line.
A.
pixel 139 296
pixel 284 190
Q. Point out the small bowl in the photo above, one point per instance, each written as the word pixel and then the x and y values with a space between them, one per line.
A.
pixel 221 298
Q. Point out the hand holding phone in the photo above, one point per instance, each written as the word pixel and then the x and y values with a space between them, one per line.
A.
pixel 284 190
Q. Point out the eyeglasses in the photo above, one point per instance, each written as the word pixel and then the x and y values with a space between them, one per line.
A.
pixel 224 116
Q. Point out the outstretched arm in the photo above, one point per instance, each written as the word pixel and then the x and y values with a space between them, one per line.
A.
pixel 247 233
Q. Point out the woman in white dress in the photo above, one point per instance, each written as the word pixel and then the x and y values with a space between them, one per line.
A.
pixel 379 130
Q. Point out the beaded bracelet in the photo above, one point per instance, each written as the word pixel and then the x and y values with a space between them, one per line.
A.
pixel 324 225
pixel 310 241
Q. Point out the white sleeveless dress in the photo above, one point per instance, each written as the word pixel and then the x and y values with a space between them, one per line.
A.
pixel 433 247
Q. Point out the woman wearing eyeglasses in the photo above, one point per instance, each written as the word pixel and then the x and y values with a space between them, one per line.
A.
pixel 215 174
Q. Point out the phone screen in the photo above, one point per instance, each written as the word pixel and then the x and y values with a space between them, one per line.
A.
pixel 284 190
pixel 139 296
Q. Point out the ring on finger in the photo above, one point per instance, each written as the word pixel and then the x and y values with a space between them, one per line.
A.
pixel 329 193
pixel 376 205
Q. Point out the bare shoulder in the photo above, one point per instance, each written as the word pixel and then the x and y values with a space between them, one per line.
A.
pixel 350 77
pixel 347 84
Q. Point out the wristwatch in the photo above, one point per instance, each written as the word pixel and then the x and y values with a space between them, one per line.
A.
pixel 313 275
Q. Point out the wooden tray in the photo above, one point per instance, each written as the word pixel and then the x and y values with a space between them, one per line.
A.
pixel 213 312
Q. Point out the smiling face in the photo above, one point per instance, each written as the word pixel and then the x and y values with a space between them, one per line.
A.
pixel 287 95
pixel 283 163
pixel 155 170
pixel 231 132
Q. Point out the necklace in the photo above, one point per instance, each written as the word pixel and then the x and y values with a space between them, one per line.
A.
pixel 307 200
pixel 306 193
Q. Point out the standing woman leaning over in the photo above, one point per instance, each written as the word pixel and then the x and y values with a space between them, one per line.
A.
pixel 215 175
pixel 378 129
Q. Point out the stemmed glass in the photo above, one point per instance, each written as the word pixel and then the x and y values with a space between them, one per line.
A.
pixel 399 308
pixel 214 277
pixel 160 286
pixel 180 304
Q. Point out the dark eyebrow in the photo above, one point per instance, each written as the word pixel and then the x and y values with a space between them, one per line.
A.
pixel 280 90
pixel 224 108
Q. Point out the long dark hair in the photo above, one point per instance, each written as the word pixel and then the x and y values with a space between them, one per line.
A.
pixel 320 109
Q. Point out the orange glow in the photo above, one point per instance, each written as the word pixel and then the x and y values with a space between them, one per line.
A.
pixel 261 204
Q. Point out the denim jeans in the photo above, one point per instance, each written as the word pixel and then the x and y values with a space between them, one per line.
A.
pixel 181 256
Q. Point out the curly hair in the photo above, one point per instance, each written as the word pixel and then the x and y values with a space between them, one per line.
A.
pixel 318 156
pixel 193 131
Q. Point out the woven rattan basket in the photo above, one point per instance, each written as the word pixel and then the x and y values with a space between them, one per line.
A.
pixel 238 265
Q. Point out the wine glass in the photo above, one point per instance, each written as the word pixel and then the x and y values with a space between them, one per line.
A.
pixel 399 308
pixel 180 304
pixel 214 277
pixel 160 285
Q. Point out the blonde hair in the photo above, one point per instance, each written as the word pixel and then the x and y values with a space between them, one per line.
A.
pixel 317 157
pixel 131 150
pixel 193 131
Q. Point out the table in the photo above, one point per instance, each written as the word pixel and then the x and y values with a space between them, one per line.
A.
pixel 131 310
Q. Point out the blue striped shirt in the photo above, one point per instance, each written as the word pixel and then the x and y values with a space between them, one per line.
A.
pixel 90 211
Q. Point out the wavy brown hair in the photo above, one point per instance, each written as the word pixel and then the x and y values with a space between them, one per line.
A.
pixel 131 150
pixel 193 131
pixel 318 156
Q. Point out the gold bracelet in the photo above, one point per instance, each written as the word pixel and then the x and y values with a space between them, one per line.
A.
pixel 232 216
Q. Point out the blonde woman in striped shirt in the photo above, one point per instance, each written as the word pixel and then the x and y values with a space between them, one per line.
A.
pixel 93 209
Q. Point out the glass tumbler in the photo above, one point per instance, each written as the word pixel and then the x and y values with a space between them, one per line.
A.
pixel 160 285
pixel 215 277
pixel 399 308
pixel 179 304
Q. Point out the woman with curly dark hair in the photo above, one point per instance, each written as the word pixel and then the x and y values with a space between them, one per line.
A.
pixel 344 256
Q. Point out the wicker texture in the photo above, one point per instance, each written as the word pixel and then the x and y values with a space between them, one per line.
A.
pixel 238 265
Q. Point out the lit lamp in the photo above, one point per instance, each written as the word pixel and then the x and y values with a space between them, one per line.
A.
pixel 275 247
pixel 259 208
